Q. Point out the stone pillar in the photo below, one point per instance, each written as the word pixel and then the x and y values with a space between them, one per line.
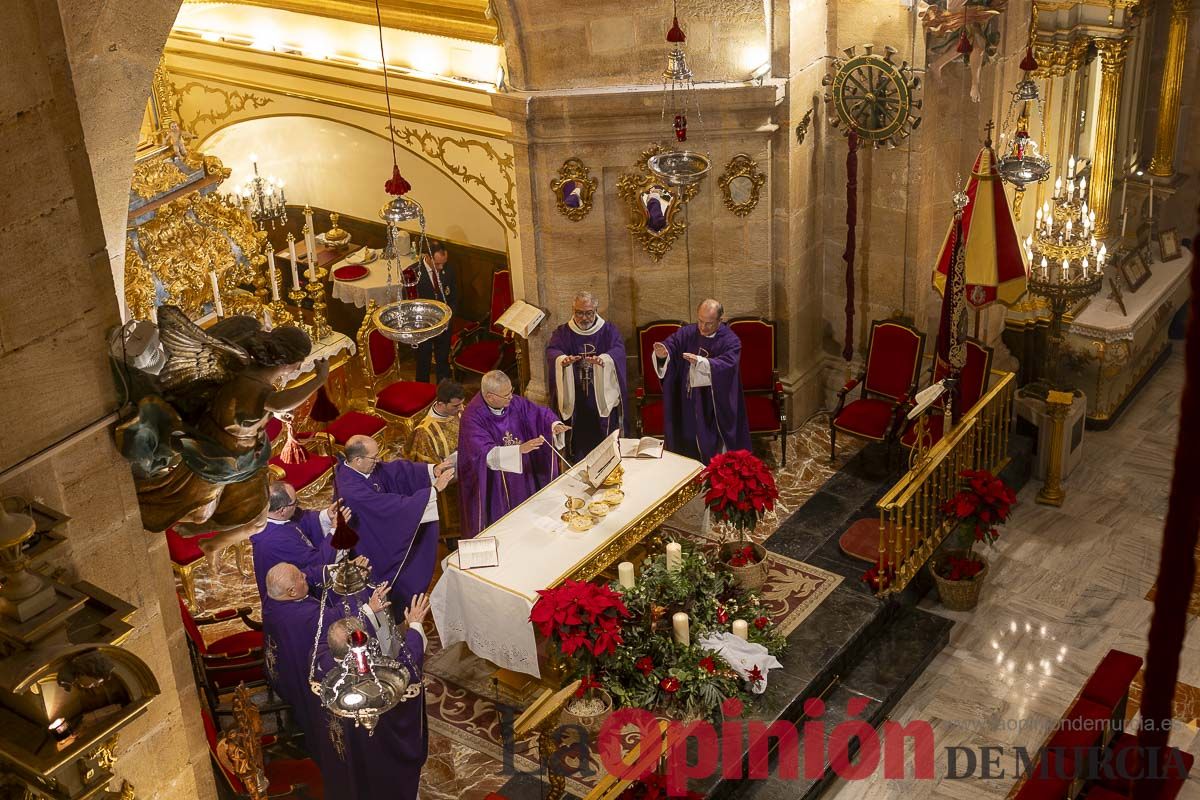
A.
pixel 1112 66
pixel 1162 165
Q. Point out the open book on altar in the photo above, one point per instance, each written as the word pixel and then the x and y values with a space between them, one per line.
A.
pixel 646 447
pixel 521 318
pixel 600 463
pixel 482 551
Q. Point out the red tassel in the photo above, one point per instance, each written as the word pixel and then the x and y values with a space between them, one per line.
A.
pixel 323 408
pixel 397 185
pixel 1029 63
pixel 292 452
pixel 675 35
pixel 964 44
pixel 344 537
pixel 848 254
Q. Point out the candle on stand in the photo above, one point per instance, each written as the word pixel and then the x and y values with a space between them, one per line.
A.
pixel 741 629
pixel 1151 197
pixel 679 624
pixel 1124 219
pixel 674 556
pixel 271 275
pixel 217 307
pixel 625 574
pixel 292 253
pixel 310 239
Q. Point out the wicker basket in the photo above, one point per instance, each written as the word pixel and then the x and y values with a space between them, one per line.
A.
pixel 958 595
pixel 589 722
pixel 751 576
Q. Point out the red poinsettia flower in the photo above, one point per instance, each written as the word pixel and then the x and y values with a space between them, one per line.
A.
pixel 761 622
pixel 755 677
pixel 708 665
pixel 644 665
pixel 669 685
pixel 586 684
pixel 722 615
pixel 738 488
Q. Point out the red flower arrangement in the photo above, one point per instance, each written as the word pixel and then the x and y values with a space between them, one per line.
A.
pixel 761 622
pixel 584 618
pixel 669 685
pixel 958 568
pixel 644 665
pixel 708 665
pixel 983 504
pixel 738 489
pixel 755 677
pixel 743 557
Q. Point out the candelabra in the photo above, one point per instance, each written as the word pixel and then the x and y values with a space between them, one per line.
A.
pixel 1066 262
pixel 263 199
pixel 316 293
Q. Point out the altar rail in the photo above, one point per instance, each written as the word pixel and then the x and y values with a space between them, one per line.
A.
pixel 912 522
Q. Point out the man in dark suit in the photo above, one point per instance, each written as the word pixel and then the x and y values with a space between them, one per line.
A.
pixel 435 281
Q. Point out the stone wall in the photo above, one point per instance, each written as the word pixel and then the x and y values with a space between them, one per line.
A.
pixel 56 310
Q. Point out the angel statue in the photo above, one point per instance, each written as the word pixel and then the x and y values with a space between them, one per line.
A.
pixel 197 445
pixel 962 27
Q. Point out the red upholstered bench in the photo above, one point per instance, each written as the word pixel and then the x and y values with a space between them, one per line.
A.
pixel 1125 763
pixel 354 423
pixel 1109 684
pixel 1100 793
pixel 1051 778
pixel 1085 726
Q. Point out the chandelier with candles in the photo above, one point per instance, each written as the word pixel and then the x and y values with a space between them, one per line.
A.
pixel 1020 163
pixel 1066 263
pixel 262 199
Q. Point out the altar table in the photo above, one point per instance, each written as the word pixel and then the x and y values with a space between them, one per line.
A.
pixel 373 286
pixel 488 608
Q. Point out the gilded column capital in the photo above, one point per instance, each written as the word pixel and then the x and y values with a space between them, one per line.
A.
pixel 1167 128
pixel 1076 53
pixel 1112 55
pixel 1181 8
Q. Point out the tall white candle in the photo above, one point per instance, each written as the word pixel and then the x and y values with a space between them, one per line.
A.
pixel 625 574
pixel 292 253
pixel 674 556
pixel 216 295
pixel 741 629
pixel 679 624
pixel 1124 219
pixel 1151 197
pixel 272 276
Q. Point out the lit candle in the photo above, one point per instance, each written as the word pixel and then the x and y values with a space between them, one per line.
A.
pixel 1070 188
pixel 1057 186
pixel 741 629
pixel 674 556
pixel 1068 229
pixel 1151 197
pixel 1038 223
pixel 1082 186
pixel 1103 255
pixel 625 574
pixel 679 624
pixel 271 273
pixel 292 253
pixel 1066 270
pixel 1045 269
pixel 1085 266
pixel 216 295
pixel 1071 167
pixel 310 239
pixel 1124 218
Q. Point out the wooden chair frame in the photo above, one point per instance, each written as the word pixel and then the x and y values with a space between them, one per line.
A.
pixel 989 353
pixel 776 390
pixel 398 429
pixel 640 395
pixel 471 335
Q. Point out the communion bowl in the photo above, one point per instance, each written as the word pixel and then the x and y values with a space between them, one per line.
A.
pixel 580 523
pixel 413 321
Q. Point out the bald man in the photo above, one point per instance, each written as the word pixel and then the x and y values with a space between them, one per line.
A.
pixel 504 452
pixel 394 505
pixel 704 411
pixel 293 535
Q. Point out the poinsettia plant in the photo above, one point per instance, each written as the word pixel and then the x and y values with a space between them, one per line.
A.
pixel 584 620
pixel 982 505
pixel 738 489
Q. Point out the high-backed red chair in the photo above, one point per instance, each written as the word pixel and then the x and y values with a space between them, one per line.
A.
pixel 760 379
pixel 972 385
pixel 481 350
pixel 400 403
pixel 887 382
pixel 307 477
pixel 648 396
pixel 186 555
pixel 232 659
pixel 293 778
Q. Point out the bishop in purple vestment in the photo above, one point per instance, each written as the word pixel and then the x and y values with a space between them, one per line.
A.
pixel 585 365
pixel 504 452
pixel 394 504
pixel 293 535
pixel 703 407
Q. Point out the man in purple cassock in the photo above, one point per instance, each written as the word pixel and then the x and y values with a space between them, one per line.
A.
pixel 585 362
pixel 290 617
pixel 503 453
pixel 394 504
pixel 703 407
pixel 386 763
pixel 293 535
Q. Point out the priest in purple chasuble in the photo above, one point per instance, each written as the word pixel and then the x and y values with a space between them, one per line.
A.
pixel 293 535
pixel 504 452
pixel 585 365
pixel 290 616
pixel 703 407
pixel 394 507
pixel 388 762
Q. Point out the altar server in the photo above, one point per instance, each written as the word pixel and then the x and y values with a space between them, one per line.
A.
pixel 704 410
pixel 434 440
pixel 585 362
pixel 435 281
pixel 394 506
pixel 503 453
pixel 294 535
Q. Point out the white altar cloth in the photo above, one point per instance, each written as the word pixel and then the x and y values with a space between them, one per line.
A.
pixel 488 608
pixel 371 287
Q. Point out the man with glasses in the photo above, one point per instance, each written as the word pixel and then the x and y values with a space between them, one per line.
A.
pixel 293 535
pixel 585 362
pixel 395 510
pixel 704 411
pixel 503 453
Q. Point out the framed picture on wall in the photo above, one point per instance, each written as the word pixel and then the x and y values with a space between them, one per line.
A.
pixel 1168 245
pixel 1135 269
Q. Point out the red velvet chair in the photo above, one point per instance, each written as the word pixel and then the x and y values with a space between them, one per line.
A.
pixel 232 659
pixel 972 385
pixel 760 379
pixel 398 402
pixel 481 350
pixel 186 555
pixel 648 396
pixel 887 382
pixel 309 476
pixel 293 778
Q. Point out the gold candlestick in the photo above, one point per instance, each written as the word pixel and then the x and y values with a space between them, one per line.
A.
pixel 316 292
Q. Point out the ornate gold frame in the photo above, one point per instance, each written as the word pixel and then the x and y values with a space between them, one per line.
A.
pixel 741 166
pixel 631 186
pixel 574 170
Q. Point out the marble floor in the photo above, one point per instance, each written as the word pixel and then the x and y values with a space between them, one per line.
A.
pixel 1066 585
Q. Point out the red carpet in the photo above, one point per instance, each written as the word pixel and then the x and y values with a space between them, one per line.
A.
pixel 861 540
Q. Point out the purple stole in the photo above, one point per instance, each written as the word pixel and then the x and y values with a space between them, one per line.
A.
pixel 587 429
pixel 702 422
pixel 300 541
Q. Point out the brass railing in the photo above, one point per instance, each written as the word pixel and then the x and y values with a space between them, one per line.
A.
pixel 912 522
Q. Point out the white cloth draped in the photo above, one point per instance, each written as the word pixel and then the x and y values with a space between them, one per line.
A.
pixel 743 656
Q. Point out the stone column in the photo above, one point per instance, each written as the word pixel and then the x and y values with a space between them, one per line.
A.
pixel 1162 165
pixel 1112 66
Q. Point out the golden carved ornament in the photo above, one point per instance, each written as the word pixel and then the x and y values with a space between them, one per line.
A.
pixel 574 182
pixel 639 189
pixel 740 184
pixel 229 103
pixel 156 176
pixel 440 149
pixel 139 284
pixel 240 748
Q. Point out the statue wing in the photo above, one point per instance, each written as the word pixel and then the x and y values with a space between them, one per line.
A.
pixel 193 355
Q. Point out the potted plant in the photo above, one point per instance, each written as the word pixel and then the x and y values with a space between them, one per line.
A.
pixel 738 490
pixel 584 620
pixel 983 504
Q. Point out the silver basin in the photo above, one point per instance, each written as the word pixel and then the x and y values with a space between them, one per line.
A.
pixel 680 169
pixel 413 321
